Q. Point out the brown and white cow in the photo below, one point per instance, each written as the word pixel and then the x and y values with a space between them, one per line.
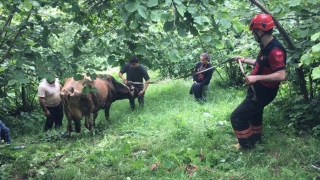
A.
pixel 76 104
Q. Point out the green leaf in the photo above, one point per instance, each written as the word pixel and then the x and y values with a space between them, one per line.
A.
pixel 315 36
pixel 181 9
pixel 219 45
pixel 27 4
pixel 111 60
pixel 194 31
pixel 237 26
pixel 131 6
pixel 24 81
pixel 201 19
pixel 134 24
pixel 94 90
pixel 182 32
pixel 85 90
pixel 316 73
pixel 174 56
pixel 6 102
pixel 306 59
pixel 205 38
pixel 152 3
pixel 293 3
pixel 78 77
pixel 11 82
pixel 177 1
pixel 165 16
pixel 155 15
pixel 225 23
pixel 303 32
pixel 168 26
pixel 76 52
pixel 192 9
pixel 142 11
pixel 316 48
pixel 141 49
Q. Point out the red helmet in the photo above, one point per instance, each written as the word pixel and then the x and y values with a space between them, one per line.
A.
pixel 263 22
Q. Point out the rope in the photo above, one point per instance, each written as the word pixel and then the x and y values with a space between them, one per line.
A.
pixel 254 98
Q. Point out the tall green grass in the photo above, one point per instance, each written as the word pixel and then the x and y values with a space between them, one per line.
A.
pixel 171 129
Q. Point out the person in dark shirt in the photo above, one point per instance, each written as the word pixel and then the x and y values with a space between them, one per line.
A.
pixel 268 72
pixel 5 133
pixel 201 78
pixel 135 74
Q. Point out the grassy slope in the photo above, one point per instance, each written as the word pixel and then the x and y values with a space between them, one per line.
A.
pixel 171 129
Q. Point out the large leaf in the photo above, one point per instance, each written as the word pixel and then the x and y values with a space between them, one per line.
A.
pixel 201 19
pixel 76 52
pixel 316 73
pixel 155 15
pixel 192 9
pixel 142 11
pixel 141 49
pixel 237 26
pixel 316 48
pixel 182 32
pixel 168 26
pixel 11 82
pixel 293 3
pixel 306 59
pixel 181 9
pixel 194 31
pixel 111 60
pixel 219 45
pixel 315 36
pixel 165 16
pixel 225 23
pixel 85 90
pixel 205 38
pixel 174 56
pixel 131 6
pixel 152 3
pixel 134 24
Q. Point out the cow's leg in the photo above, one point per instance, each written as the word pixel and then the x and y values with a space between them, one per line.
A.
pixel 88 122
pixel 95 115
pixel 107 113
pixel 77 125
pixel 69 118
pixel 107 110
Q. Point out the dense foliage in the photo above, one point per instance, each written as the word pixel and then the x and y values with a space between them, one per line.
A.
pixel 66 38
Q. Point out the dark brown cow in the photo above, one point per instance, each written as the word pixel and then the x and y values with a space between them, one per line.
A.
pixel 76 104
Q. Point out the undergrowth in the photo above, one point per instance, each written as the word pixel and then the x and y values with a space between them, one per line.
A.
pixel 173 132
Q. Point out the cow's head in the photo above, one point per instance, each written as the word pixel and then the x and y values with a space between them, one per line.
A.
pixel 121 91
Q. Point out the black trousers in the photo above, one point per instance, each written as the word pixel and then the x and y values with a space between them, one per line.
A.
pixel 246 119
pixel 137 89
pixel 56 115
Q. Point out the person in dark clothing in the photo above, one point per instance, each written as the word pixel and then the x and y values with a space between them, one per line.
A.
pixel 268 72
pixel 202 77
pixel 5 133
pixel 135 74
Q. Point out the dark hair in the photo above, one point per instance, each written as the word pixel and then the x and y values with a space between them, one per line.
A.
pixel 269 32
pixel 205 56
pixel 134 59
